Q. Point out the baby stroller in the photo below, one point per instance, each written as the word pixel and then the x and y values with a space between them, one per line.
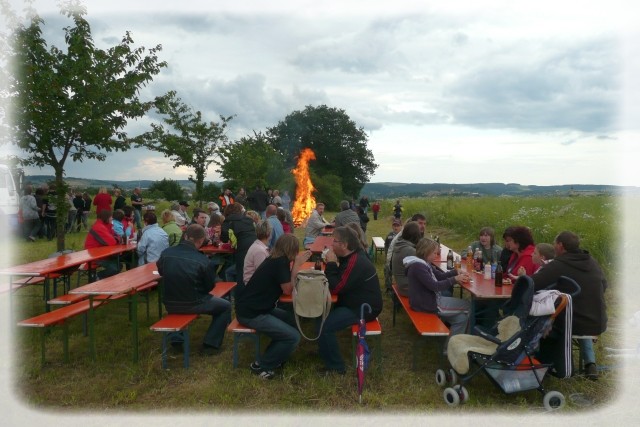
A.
pixel 506 353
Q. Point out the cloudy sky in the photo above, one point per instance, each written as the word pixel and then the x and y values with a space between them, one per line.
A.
pixel 457 92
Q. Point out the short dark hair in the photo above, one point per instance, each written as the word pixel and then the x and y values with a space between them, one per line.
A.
pixel 118 214
pixel 570 241
pixel 489 232
pixel 104 215
pixel 197 212
pixel 150 218
pixel 418 216
pixel 522 236
pixel 349 236
pixel 411 232
pixel 194 232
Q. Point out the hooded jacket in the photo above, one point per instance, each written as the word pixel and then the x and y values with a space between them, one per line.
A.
pixel 402 249
pixel 589 309
pixel 425 282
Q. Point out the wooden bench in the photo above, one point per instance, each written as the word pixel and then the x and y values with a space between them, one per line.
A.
pixel 239 332
pixel 174 324
pixel 378 246
pixel 179 323
pixel 427 324
pixel 59 317
pixel 374 329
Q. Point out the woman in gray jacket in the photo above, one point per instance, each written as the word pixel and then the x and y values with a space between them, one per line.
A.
pixel 405 246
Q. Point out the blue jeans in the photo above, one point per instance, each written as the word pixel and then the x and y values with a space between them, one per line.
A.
pixel 137 215
pixel 586 351
pixel 278 325
pixel 338 319
pixel 220 311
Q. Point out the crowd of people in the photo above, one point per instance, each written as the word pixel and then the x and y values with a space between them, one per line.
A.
pixel 266 261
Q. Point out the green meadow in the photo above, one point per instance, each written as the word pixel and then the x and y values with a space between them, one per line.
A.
pixel 211 386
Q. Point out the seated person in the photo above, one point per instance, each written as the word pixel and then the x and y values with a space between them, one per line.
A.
pixel 170 227
pixel 244 231
pixel 487 244
pixel 188 277
pixel 258 251
pixel 153 241
pixel 315 225
pixel 396 227
pixel 520 242
pixel 353 278
pixel 426 284
pixel 346 215
pixel 589 308
pixel 256 304
pixel 405 246
pixel 101 234
pixel 543 254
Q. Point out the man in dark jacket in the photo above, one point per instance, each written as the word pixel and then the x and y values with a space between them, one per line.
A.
pixel 589 309
pixel 258 201
pixel 244 231
pixel 353 278
pixel 188 277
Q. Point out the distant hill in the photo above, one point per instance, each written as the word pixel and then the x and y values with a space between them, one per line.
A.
pixel 386 190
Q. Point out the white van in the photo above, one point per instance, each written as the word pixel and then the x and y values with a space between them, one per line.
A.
pixel 9 199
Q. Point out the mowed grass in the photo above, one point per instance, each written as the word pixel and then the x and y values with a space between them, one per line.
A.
pixel 210 385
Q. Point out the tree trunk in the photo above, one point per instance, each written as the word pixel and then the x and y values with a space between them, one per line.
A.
pixel 62 209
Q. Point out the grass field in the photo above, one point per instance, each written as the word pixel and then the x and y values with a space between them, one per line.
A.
pixel 211 385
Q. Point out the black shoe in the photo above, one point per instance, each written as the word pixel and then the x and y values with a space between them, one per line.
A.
pixel 591 371
pixel 265 374
pixel 324 371
pixel 209 350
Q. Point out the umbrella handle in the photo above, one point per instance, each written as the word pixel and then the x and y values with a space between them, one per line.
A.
pixel 362 309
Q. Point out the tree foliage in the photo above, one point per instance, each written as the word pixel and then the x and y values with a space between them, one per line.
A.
pixel 340 146
pixel 170 189
pixel 251 161
pixel 74 103
pixel 187 140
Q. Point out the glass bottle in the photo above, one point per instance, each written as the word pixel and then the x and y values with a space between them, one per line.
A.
pixel 498 278
pixel 450 260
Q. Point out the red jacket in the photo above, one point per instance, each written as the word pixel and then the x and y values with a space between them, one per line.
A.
pixel 102 201
pixel 523 260
pixel 105 231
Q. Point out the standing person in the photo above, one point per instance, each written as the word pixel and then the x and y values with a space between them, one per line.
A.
pixel 188 277
pixel 487 244
pixel 174 232
pixel 242 227
pixel 226 198
pixel 405 246
pixel 102 200
pixel 346 215
pixel 71 214
pixel 101 234
pixel 258 200
pixel 427 284
pixel 50 212
pixel 276 226
pixel 154 240
pixel 276 199
pixel 241 197
pixel 86 209
pixel 256 304
pixel 30 217
pixel 40 198
pixel 182 211
pixel 353 278
pixel 120 200
pixel 364 203
pixel 258 251
pixel 589 307
pixel 520 241
pixel 375 208
pixel 286 200
pixel 364 218
pixel 315 224
pixel 78 203
pixel 136 202
pixel 397 210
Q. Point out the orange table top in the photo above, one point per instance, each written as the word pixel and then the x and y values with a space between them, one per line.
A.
pixel 222 289
pixel 60 263
pixel 482 288
pixel 327 231
pixel 211 250
pixel 320 243
pixel 122 283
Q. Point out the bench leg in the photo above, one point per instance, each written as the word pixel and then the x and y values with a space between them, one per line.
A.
pixel 186 346
pixel 65 341
pixel 165 340
pixel 42 346
pixel 237 336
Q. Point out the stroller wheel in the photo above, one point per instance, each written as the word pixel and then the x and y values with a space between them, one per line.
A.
pixel 553 400
pixel 451 396
pixel 453 377
pixel 441 377
pixel 462 393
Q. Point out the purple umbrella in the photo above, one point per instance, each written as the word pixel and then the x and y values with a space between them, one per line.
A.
pixel 362 350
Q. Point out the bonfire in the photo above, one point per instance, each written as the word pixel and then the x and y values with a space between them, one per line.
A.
pixel 305 202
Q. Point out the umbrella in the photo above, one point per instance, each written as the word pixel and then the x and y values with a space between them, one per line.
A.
pixel 362 350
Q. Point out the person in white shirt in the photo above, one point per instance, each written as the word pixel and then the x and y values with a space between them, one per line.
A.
pixel 315 224
pixel 258 251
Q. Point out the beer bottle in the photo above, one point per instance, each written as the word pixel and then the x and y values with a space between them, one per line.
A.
pixel 450 260
pixel 498 280
pixel 318 265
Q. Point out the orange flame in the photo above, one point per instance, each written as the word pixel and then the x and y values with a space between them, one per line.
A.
pixel 305 202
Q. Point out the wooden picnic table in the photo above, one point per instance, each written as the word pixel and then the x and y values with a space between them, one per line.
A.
pixel 64 265
pixel 327 230
pixel 213 250
pixel 320 243
pixel 122 284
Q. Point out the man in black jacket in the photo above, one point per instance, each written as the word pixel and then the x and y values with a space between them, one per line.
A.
pixel 188 277
pixel 589 309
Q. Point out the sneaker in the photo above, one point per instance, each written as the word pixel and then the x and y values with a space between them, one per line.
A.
pixel 591 371
pixel 265 374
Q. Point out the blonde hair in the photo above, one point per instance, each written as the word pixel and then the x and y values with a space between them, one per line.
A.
pixel 167 216
pixel 425 247
pixel 255 216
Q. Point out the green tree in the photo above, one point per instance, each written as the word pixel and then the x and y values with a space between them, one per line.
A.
pixel 170 189
pixel 210 192
pixel 188 140
pixel 339 145
pixel 250 162
pixel 71 104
